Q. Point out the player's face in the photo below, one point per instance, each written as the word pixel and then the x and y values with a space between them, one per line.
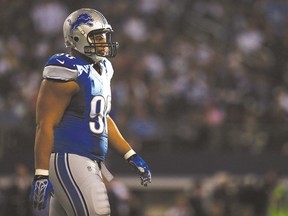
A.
pixel 100 41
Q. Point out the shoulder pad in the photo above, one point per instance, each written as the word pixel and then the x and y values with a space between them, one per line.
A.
pixel 62 67
pixel 62 60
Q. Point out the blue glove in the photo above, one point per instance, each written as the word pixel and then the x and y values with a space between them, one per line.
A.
pixel 41 190
pixel 142 169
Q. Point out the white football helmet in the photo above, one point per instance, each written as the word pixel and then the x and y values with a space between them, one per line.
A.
pixel 80 28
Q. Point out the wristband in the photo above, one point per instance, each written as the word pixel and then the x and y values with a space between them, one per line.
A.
pixel 43 172
pixel 129 154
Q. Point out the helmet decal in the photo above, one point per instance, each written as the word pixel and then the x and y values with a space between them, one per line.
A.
pixel 82 19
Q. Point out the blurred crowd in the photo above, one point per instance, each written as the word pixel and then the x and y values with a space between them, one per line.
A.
pixel 189 74
pixel 223 194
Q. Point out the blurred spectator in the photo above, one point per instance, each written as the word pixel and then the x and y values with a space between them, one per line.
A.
pixel 181 207
pixel 222 196
pixel 122 201
pixel 278 200
pixel 196 199
pixel 17 193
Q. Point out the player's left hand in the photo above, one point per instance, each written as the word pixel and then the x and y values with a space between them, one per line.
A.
pixel 41 190
pixel 142 169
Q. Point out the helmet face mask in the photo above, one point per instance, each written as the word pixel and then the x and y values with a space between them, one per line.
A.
pixel 82 30
pixel 103 49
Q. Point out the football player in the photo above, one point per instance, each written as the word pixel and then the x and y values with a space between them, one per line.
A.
pixel 73 122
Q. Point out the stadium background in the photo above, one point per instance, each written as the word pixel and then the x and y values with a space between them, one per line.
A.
pixel 200 91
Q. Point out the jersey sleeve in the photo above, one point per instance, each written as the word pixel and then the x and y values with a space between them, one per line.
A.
pixel 61 67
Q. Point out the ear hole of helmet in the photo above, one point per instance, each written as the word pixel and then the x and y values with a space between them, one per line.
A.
pixel 76 39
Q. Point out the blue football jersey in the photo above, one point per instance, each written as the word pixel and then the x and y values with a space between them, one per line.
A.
pixel 83 128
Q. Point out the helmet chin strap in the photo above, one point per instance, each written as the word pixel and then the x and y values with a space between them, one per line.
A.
pixel 95 58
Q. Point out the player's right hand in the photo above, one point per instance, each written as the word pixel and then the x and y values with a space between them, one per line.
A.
pixel 41 190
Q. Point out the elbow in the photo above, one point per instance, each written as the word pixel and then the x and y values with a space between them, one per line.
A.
pixel 44 125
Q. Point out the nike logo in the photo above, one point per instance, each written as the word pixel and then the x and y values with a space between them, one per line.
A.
pixel 61 62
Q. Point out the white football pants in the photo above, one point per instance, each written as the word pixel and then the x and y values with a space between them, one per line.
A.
pixel 78 186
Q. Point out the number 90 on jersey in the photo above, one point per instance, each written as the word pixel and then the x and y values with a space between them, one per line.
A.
pixel 99 108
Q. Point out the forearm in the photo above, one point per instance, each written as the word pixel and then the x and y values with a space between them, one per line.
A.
pixel 43 147
pixel 116 139
pixel 125 150
pixel 41 186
